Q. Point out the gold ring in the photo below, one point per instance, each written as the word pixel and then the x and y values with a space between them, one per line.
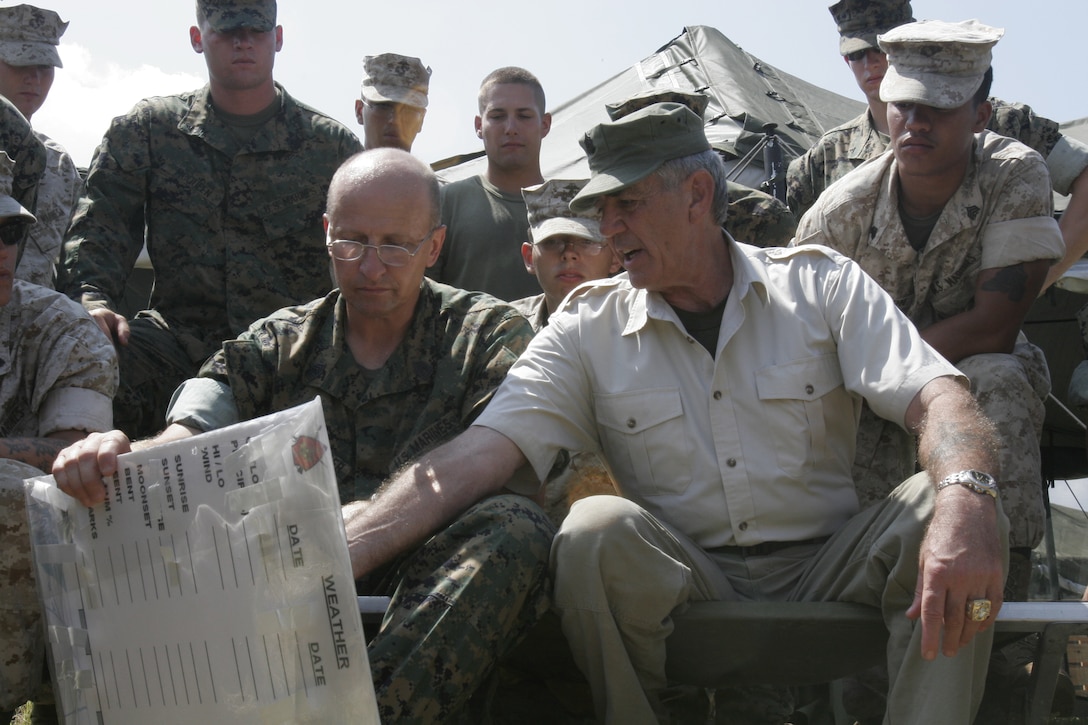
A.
pixel 978 610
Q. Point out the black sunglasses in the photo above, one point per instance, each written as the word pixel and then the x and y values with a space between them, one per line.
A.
pixel 859 54
pixel 12 232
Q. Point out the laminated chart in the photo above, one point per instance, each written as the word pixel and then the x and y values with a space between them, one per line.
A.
pixel 212 585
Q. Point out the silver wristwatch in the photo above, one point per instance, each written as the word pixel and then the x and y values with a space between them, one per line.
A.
pixel 977 481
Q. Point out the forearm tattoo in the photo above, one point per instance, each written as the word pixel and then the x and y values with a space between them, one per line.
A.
pixel 1010 281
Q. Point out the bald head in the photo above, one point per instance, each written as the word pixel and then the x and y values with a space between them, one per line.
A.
pixel 392 168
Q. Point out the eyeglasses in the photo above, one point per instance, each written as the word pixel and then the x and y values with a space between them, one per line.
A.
pixel 12 232
pixel 859 54
pixel 391 255
pixel 555 245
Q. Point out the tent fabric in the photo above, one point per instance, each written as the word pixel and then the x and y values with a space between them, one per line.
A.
pixel 745 93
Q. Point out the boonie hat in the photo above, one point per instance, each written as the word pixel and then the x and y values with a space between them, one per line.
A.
pixel 695 101
pixel 624 152
pixel 550 214
pixel 30 36
pixel 226 15
pixel 8 206
pixel 936 63
pixel 395 78
pixel 860 21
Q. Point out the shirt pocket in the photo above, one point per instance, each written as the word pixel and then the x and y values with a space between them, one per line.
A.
pixel 645 440
pixel 792 396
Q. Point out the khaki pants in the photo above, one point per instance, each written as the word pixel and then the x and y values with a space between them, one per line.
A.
pixel 619 573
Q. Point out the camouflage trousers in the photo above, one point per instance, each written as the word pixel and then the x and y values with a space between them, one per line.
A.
pixel 22 634
pixel 1011 390
pixel 460 602
pixel 152 365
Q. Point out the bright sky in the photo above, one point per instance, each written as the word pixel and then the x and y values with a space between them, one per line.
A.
pixel 118 51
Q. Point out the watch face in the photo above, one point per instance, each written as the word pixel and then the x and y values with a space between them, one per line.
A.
pixel 983 480
pixel 977 481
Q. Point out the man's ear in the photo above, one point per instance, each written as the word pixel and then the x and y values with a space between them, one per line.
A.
pixel 359 111
pixel 546 122
pixel 702 194
pixel 279 38
pixel 982 116
pixel 479 125
pixel 195 40
pixel 527 257
pixel 437 240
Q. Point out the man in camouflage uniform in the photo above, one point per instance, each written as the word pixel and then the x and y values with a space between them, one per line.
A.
pixel 28 56
pixel 846 147
pixel 963 248
pixel 401 364
pixel 57 376
pixel 21 144
pixel 393 100
pixel 755 217
pixel 226 185
pixel 564 249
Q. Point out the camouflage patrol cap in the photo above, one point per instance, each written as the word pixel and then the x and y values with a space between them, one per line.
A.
pixel 549 210
pixel 8 206
pixel 395 78
pixel 695 101
pixel 860 21
pixel 935 63
pixel 226 15
pixel 30 36
pixel 624 152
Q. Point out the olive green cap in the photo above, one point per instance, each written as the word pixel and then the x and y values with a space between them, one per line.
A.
pixel 624 152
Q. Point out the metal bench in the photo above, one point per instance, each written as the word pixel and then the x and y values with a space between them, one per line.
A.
pixel 716 644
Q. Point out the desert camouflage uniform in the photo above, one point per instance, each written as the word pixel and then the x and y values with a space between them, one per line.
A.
pixel 58 195
pixel 57 372
pixel 232 227
pixel 17 139
pixel 846 147
pixel 534 309
pixel 1006 182
pixel 451 617
pixel 758 218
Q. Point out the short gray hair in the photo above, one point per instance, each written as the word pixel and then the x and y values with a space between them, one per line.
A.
pixel 674 171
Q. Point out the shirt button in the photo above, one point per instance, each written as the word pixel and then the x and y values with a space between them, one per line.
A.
pixel 731 462
pixel 691 340
pixel 809 389
pixel 631 423
pixel 717 395
pixel 743 526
